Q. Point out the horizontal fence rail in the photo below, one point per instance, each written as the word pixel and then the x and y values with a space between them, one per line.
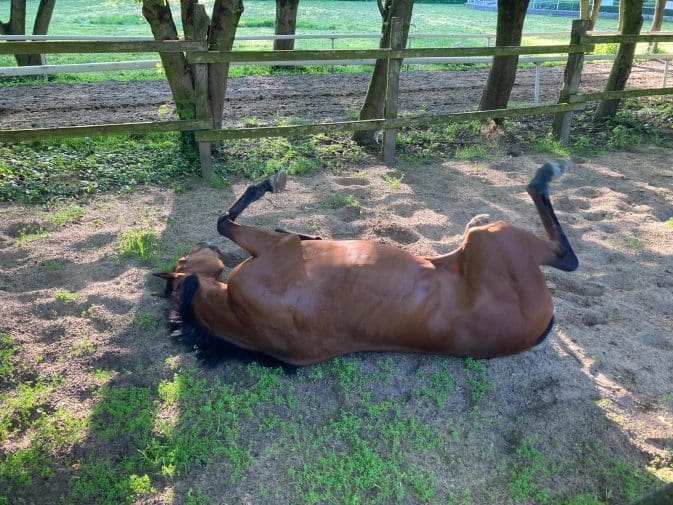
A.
pixel 304 36
pixel 378 124
pixel 118 46
pixel 349 54
pixel 28 134
pixel 628 39
pixel 149 64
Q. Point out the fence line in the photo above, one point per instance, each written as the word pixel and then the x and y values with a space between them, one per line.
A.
pixel 569 102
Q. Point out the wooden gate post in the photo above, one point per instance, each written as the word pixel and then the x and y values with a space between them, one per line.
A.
pixel 571 80
pixel 392 91
pixel 201 23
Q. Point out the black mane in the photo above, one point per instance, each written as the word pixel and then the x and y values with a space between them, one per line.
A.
pixel 186 329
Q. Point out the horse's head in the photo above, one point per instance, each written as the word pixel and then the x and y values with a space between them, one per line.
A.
pixel 203 259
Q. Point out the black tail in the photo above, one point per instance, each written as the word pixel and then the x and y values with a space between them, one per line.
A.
pixel 186 329
pixel 538 189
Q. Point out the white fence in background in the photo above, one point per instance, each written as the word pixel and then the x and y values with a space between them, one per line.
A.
pixel 45 70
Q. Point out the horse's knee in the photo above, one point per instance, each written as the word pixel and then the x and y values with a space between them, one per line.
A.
pixel 224 225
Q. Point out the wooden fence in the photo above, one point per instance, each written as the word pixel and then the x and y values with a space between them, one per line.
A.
pixel 197 53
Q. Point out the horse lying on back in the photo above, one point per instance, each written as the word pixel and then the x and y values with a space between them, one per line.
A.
pixel 302 300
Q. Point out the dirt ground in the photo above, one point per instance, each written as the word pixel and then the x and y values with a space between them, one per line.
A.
pixel 603 380
pixel 309 97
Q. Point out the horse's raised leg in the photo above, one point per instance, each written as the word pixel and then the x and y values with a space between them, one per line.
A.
pixel 274 184
pixel 253 240
pixel 538 189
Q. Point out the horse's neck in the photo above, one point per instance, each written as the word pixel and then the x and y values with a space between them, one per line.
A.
pixel 212 309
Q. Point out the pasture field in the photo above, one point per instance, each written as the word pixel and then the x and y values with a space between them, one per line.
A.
pixel 124 17
pixel 98 405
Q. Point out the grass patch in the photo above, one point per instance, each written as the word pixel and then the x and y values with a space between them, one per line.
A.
pixel 8 351
pixel 338 201
pixel 437 385
pixel 525 474
pixel 50 171
pixel 67 215
pixel 392 181
pixel 548 144
pixel 65 297
pixel 81 346
pixel 52 265
pixel 260 158
pixel 19 410
pixel 31 233
pixel 669 223
pixel 138 243
pixel 146 321
pixel 633 243
pixel 477 379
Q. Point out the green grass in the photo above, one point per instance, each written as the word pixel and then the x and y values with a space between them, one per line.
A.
pixel 256 159
pixel 8 351
pixel 338 201
pixel 51 171
pixel 139 243
pixel 548 144
pixel 147 321
pixel 52 265
pixel 436 385
pixel 31 233
pixel 67 215
pixel 669 223
pixel 81 346
pixel 392 181
pixel 477 378
pixel 473 153
pixel 65 297
pixel 17 409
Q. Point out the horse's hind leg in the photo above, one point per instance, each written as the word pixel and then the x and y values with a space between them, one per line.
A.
pixel 538 189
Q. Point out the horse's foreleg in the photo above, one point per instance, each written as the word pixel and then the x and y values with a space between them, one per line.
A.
pixel 253 240
pixel 274 184
pixel 538 189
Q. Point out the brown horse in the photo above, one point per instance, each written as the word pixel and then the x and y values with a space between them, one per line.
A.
pixel 302 300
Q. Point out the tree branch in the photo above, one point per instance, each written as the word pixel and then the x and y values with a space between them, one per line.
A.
pixel 187 14
pixel 43 17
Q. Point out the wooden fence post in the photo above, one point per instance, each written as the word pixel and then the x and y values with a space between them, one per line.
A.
pixel 201 23
pixel 392 91
pixel 571 80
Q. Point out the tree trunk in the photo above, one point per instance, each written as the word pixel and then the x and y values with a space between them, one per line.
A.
pixel 620 18
pixel 584 9
pixel 17 26
pixel 621 68
pixel 286 23
pixel 594 14
pixel 178 71
pixel 374 104
pixel 225 18
pixel 511 15
pixel 657 21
